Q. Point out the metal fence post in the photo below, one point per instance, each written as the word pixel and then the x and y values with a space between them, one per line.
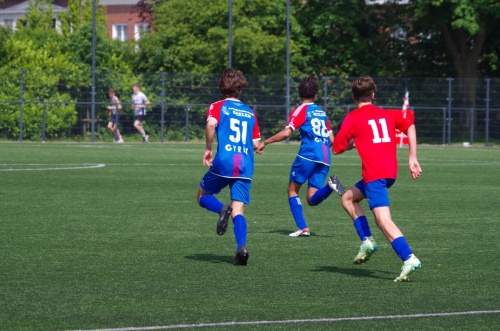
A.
pixel 44 120
pixel 487 119
pixel 21 102
pixel 162 136
pixel 444 126
pixel 471 139
pixel 186 135
pixel 450 80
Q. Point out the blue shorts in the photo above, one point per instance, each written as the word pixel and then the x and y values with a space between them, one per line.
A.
pixel 139 118
pixel 376 192
pixel 239 188
pixel 305 170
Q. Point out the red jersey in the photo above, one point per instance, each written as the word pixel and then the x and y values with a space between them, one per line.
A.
pixel 373 130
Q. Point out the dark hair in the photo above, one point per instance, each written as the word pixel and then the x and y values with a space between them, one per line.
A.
pixel 232 82
pixel 363 89
pixel 308 88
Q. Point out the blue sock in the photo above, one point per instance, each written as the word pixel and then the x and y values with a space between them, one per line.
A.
pixel 401 248
pixel 321 194
pixel 364 224
pixel 240 230
pixel 296 209
pixel 359 228
pixel 211 203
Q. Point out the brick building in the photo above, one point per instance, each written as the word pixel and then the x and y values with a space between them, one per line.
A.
pixel 124 19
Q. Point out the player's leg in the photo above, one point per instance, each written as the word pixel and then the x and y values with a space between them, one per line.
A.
pixel 111 128
pixel 209 186
pixel 300 172
pixel 297 211
pixel 140 129
pixel 379 203
pixel 240 195
pixel 351 202
pixel 317 190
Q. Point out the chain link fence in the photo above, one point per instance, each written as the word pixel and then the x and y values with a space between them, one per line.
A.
pixel 49 106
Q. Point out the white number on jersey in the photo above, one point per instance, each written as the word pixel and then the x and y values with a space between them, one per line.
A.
pixel 240 130
pixel 376 134
pixel 319 127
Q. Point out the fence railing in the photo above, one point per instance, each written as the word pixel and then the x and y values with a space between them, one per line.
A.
pixel 447 110
pixel 186 122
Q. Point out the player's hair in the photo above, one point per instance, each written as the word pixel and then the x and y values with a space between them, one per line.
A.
pixel 139 86
pixel 308 88
pixel 112 90
pixel 232 82
pixel 363 89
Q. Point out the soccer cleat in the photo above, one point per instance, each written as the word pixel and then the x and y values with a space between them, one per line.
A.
pixel 120 141
pixel 146 138
pixel 336 185
pixel 368 247
pixel 242 255
pixel 410 266
pixel 301 233
pixel 223 219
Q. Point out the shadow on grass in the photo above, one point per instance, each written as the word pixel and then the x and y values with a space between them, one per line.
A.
pixel 212 258
pixel 355 272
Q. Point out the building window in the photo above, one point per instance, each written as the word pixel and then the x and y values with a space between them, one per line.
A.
pixel 120 32
pixel 9 23
pixel 140 30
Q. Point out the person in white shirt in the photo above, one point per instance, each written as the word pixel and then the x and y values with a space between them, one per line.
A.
pixel 139 102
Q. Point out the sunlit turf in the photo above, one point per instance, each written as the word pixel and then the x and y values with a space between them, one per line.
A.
pixel 102 236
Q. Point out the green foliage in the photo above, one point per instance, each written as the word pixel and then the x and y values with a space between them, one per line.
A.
pixel 182 42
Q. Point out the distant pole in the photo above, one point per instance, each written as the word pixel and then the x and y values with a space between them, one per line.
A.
pixel 287 61
pixel 230 36
pixel 92 139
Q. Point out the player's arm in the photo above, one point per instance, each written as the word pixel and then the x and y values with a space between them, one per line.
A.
pixel 413 164
pixel 209 139
pixel 280 136
pixel 118 103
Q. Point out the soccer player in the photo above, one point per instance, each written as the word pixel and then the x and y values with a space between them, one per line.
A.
pixel 373 130
pixel 238 134
pixel 313 158
pixel 139 102
pixel 114 114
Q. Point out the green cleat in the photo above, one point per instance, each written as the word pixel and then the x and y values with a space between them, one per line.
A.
pixel 410 266
pixel 368 247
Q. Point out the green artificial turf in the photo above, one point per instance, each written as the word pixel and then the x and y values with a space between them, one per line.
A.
pixel 107 236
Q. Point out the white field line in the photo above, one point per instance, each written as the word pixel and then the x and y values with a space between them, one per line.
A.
pixel 313 320
pixel 52 167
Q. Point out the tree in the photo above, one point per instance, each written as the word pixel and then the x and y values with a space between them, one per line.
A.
pixel 192 36
pixel 468 29
pixel 35 52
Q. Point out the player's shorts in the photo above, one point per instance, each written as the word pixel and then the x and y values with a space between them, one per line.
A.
pixel 239 188
pixel 114 118
pixel 376 192
pixel 305 170
pixel 139 118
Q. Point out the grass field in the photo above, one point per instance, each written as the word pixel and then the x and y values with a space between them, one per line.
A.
pixel 104 236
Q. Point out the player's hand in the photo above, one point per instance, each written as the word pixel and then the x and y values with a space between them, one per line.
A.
pixel 351 145
pixel 415 169
pixel 208 158
pixel 260 148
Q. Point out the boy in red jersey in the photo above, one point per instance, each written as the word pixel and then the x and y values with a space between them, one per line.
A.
pixel 373 131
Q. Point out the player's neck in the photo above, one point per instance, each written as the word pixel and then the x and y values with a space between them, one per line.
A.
pixel 361 104
pixel 304 101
